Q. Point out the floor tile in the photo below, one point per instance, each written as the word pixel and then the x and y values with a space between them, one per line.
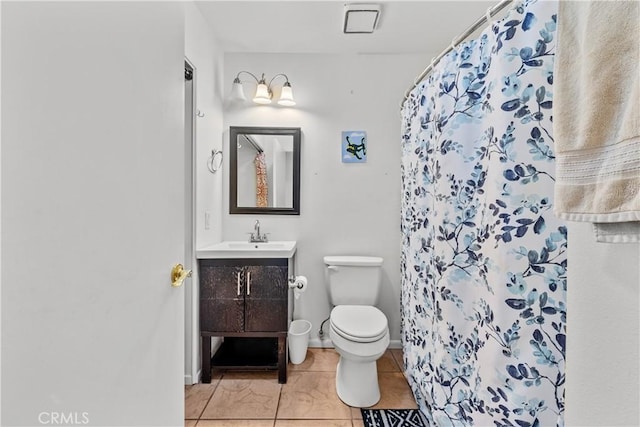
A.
pixel 196 397
pixel 311 395
pixel 355 412
pixel 387 363
pixel 235 423
pixel 397 355
pixel 395 392
pixel 243 399
pixel 309 399
pixel 313 423
pixel 318 359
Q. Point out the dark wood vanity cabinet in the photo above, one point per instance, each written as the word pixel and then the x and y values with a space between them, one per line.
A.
pixel 245 301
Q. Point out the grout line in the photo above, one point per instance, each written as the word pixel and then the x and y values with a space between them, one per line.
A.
pixel 275 417
pixel 209 400
pixel 400 363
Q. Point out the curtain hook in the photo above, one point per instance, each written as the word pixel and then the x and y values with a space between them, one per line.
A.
pixel 420 78
pixel 488 15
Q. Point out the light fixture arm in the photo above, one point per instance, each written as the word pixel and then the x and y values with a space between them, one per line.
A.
pixel 237 79
pixel 277 75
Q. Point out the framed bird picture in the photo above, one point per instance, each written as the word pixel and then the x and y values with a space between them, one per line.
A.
pixel 354 146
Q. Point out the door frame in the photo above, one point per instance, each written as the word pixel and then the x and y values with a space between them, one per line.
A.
pixel 191 333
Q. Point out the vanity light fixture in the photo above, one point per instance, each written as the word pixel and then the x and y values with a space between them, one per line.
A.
pixel 264 91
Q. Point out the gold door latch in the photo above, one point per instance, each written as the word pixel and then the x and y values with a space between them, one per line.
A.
pixel 178 274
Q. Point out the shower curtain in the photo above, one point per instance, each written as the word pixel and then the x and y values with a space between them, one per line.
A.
pixel 483 259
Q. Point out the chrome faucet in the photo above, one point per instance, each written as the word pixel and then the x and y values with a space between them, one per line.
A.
pixel 256 229
pixel 256 237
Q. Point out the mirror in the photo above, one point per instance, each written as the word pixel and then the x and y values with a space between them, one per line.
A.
pixel 265 170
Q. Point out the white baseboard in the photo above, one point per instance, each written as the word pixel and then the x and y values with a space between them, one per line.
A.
pixel 216 342
pixel 320 343
pixel 395 344
pixel 188 380
pixel 326 343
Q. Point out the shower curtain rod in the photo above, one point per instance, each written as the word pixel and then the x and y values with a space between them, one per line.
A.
pixel 492 11
pixel 254 144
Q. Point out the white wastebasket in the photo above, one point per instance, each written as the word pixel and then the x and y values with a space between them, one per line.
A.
pixel 298 340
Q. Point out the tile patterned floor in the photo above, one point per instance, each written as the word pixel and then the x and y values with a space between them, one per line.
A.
pixel 308 399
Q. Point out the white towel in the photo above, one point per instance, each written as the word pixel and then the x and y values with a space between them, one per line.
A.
pixel 597 116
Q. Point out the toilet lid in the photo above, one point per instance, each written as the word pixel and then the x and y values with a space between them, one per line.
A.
pixel 360 323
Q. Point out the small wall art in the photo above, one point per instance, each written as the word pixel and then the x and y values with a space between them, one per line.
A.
pixel 354 146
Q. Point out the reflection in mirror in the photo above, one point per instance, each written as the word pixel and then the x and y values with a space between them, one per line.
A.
pixel 265 170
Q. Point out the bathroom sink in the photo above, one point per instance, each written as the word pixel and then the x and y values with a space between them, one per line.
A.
pixel 240 249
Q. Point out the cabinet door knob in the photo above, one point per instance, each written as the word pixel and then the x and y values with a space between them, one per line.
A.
pixel 248 283
pixel 238 293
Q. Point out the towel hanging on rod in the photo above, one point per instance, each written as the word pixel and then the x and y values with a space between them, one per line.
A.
pixel 492 11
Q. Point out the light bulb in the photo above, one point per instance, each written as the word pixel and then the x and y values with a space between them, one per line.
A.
pixel 237 91
pixel 286 96
pixel 262 94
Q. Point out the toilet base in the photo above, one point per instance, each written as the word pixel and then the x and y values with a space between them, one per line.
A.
pixel 357 383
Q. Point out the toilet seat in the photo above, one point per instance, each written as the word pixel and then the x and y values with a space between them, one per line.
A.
pixel 359 323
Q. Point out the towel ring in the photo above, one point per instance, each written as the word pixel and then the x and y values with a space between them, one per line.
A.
pixel 215 161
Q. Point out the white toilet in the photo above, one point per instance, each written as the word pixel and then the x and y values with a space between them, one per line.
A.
pixel 359 331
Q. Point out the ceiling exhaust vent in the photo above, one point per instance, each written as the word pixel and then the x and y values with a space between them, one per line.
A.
pixel 360 18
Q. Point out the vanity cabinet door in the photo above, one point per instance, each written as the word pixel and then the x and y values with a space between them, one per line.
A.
pixel 245 301
pixel 221 298
pixel 266 298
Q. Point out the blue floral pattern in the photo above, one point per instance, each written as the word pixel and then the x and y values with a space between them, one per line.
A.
pixel 484 263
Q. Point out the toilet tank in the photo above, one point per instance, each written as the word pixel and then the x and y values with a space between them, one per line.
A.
pixel 354 280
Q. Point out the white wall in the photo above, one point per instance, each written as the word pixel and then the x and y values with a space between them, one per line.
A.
pixel 345 208
pixel 602 386
pixel 201 49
